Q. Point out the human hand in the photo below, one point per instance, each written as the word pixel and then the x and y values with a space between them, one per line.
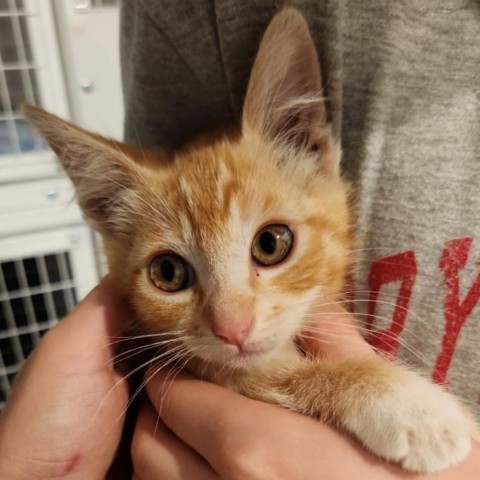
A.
pixel 65 415
pixel 194 429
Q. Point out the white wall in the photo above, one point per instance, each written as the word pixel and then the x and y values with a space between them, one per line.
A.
pixel 90 49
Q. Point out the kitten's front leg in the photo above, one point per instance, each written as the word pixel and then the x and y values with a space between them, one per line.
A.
pixel 394 413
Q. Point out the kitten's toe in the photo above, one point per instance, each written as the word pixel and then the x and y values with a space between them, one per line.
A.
pixel 437 445
pixel 417 425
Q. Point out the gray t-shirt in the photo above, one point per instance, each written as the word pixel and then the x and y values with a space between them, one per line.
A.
pixel 403 83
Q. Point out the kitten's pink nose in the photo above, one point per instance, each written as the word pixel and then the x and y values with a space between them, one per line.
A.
pixel 233 333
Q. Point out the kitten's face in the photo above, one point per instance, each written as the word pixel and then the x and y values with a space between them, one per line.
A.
pixel 208 208
pixel 226 247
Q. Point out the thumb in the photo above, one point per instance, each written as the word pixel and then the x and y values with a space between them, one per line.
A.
pixel 65 414
pixel 332 333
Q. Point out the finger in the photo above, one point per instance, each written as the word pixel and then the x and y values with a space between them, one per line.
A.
pixel 202 414
pixel 74 356
pixel 333 334
pixel 68 393
pixel 91 326
pixel 158 453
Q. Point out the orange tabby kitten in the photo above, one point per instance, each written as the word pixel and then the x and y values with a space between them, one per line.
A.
pixel 228 245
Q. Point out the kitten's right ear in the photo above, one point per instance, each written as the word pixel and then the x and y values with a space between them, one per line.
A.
pixel 284 101
pixel 102 171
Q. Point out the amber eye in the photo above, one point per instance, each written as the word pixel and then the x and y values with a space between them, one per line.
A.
pixel 272 244
pixel 170 272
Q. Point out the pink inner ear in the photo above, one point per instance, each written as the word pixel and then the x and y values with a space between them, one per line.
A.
pixel 284 101
pixel 285 78
pixel 96 207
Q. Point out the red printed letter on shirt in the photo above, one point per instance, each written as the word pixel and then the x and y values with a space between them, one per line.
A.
pixel 401 267
pixel 454 259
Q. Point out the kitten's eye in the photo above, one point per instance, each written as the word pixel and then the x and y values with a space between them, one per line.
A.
pixel 170 272
pixel 272 244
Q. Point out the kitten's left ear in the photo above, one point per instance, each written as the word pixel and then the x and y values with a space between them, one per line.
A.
pixel 284 100
pixel 104 172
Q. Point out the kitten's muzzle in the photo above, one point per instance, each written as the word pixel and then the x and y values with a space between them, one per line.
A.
pixel 234 333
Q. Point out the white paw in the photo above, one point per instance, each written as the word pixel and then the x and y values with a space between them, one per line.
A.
pixel 418 425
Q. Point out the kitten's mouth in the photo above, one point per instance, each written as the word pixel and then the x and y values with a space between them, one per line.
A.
pixel 245 354
pixel 237 355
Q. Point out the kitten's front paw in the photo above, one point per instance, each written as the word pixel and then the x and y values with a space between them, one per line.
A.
pixel 418 425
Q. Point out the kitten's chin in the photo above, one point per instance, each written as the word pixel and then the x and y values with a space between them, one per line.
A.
pixel 248 357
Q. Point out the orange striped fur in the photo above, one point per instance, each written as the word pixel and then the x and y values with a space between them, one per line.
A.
pixel 206 202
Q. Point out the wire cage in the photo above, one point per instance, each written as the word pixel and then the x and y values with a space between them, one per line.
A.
pixel 90 4
pixel 18 78
pixel 47 259
pixel 34 293
pixel 42 275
